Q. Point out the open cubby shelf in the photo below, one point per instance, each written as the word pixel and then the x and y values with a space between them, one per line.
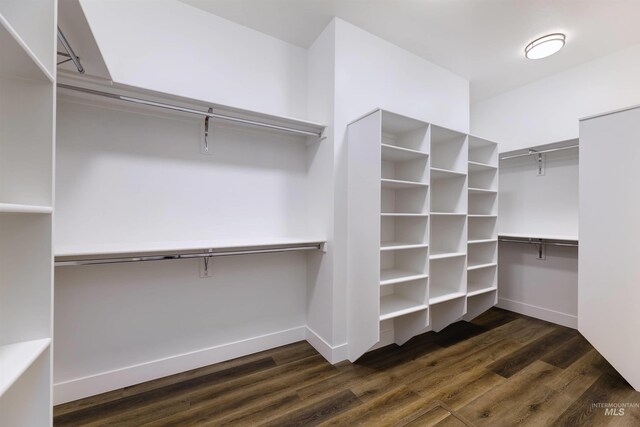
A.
pixel 437 217
pixel 481 291
pixel 14 208
pixel 16 358
pixel 399 154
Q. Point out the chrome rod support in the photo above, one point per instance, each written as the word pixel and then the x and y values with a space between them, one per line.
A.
pixel 70 52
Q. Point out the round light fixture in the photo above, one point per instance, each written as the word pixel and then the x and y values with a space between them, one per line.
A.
pixel 545 46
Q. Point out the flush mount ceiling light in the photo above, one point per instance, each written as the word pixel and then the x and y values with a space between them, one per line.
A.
pixel 545 46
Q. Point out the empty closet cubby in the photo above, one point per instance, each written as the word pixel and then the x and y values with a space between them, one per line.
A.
pixel 448 278
pixel 448 235
pixel 448 193
pixel 397 232
pixel 409 200
pixel 403 265
pixel 482 227
pixel 446 312
pixel 478 302
pixel 403 298
pixel 483 202
pixel 484 179
pixel 481 280
pixel 448 150
pixel 482 254
pixel 482 153
pixel 412 170
pixel 409 136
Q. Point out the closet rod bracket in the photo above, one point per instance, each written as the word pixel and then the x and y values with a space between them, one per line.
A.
pixel 206 131
pixel 539 158
pixel 205 265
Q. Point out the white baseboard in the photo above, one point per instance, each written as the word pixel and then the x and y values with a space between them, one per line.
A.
pixel 333 354
pixel 111 380
pixel 564 319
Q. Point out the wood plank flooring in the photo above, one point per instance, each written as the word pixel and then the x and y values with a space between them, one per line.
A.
pixel 502 369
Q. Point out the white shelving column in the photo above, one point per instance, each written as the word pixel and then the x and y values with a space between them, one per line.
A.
pixel 388 229
pixel 448 260
pixel 27 134
pixel 482 274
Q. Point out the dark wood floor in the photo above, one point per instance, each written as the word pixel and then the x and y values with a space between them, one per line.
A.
pixel 502 369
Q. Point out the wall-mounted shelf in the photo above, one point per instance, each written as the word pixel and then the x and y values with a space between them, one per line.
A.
pixel 479 266
pixel 399 154
pixel 446 297
pixel 394 306
pixel 156 251
pixel 17 59
pixel 399 184
pixel 538 236
pixel 16 358
pixel 482 291
pixel 391 276
pixel 31 209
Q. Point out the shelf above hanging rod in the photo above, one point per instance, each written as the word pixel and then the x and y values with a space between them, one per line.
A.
pixel 539 241
pixel 176 250
pixel 317 130
pixel 532 152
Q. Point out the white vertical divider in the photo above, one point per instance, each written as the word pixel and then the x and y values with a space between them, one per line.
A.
pixel 608 274
pixel 364 139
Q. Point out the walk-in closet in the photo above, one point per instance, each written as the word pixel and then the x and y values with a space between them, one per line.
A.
pixel 349 212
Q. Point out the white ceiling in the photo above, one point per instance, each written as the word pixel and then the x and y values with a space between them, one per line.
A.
pixel 481 40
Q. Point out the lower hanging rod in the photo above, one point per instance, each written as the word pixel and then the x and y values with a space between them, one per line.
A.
pixel 532 152
pixel 188 110
pixel 121 260
pixel 539 242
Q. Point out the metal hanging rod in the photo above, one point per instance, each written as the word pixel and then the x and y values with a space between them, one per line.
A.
pixel 539 242
pixel 94 261
pixel 189 110
pixel 535 152
pixel 71 55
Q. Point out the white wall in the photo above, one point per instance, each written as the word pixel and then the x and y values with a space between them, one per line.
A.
pixel 370 73
pixel 168 46
pixel 548 110
pixel 126 176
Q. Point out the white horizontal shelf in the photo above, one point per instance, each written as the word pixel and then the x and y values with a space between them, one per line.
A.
pixel 391 276
pixel 16 358
pixel 479 167
pixel 16 58
pixel 114 250
pixel 446 297
pixel 32 209
pixel 479 266
pixel 449 213
pixel 437 173
pixel 473 242
pixel 404 215
pixel 394 306
pixel 525 235
pixel 398 184
pixel 482 216
pixel 400 154
pixel 446 255
pixel 482 191
pixel 392 246
pixel 482 291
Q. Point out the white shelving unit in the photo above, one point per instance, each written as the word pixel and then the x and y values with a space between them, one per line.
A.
pixel 482 268
pixel 411 187
pixel 27 112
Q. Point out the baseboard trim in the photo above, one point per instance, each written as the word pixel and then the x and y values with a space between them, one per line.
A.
pixel 79 388
pixel 552 316
pixel 333 354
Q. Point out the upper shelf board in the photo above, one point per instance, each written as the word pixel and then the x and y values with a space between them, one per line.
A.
pixel 525 235
pixel 16 358
pixel 17 59
pixel 400 154
pixel 63 253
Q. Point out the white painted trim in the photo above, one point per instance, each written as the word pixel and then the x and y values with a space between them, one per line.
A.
pixel 333 354
pixel 111 380
pixel 564 319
